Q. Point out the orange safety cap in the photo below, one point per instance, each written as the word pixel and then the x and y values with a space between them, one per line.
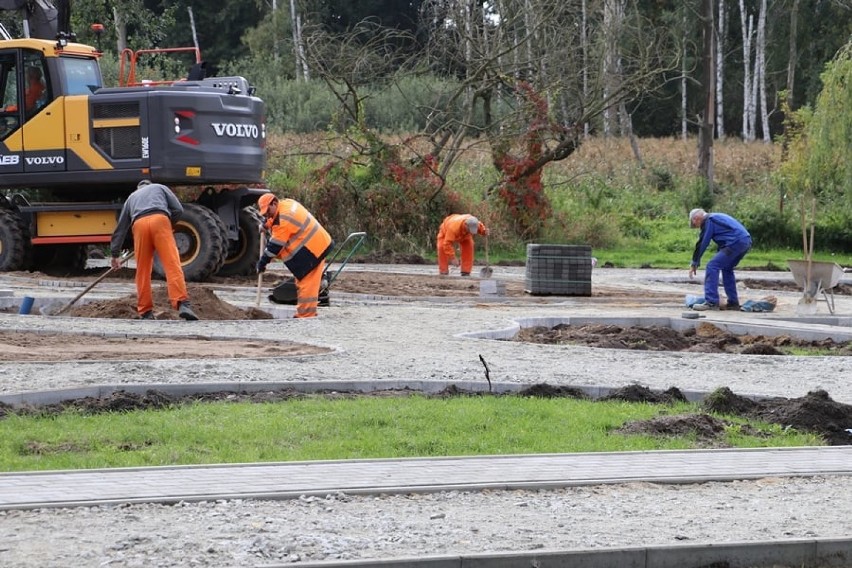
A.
pixel 264 202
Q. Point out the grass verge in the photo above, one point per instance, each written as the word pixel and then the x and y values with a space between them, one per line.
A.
pixel 320 428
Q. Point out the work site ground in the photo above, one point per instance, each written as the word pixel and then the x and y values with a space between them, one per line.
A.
pixel 403 326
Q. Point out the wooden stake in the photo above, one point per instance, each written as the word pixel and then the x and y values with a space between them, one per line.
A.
pixel 260 274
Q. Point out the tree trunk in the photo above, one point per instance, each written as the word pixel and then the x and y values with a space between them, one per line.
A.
pixel 705 131
pixel 793 53
pixel 585 54
pixel 192 25
pixel 306 72
pixel 748 112
pixel 721 32
pixel 791 77
pixel 120 31
pixel 627 124
pixel 760 68
pixel 613 17
pixel 684 119
pixel 302 70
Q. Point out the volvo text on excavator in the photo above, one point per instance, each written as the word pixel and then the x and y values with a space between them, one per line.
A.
pixel 72 150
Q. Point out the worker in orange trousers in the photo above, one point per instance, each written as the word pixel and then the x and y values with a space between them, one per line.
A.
pixel 298 239
pixel 458 229
pixel 150 212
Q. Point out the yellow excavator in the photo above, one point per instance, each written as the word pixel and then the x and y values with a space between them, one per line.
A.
pixel 72 150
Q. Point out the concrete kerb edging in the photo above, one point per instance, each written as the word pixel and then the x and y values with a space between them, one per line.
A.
pixel 809 331
pixel 807 553
pixel 40 398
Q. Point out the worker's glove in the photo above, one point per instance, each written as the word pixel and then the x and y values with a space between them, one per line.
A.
pixel 261 264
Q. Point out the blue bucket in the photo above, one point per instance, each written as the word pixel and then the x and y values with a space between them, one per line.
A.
pixel 26 305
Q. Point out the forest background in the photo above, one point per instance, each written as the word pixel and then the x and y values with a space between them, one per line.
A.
pixel 562 121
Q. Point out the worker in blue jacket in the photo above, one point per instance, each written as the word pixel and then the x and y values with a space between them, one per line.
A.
pixel 733 240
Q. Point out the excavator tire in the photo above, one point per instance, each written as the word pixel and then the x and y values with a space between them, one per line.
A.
pixel 241 259
pixel 13 241
pixel 200 238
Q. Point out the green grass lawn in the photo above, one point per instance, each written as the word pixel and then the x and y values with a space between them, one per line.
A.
pixel 318 428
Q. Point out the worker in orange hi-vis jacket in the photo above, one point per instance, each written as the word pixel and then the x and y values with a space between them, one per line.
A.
pixel 298 239
pixel 458 229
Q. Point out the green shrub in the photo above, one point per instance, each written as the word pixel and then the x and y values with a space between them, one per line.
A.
pixel 771 228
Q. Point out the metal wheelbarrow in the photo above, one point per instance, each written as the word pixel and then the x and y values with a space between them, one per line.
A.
pixel 817 280
pixel 285 291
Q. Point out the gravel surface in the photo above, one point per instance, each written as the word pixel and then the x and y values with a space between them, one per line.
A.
pixel 391 339
pixel 341 527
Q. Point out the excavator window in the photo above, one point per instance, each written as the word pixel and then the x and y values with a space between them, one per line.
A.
pixel 32 96
pixel 9 115
pixel 81 76
pixel 36 87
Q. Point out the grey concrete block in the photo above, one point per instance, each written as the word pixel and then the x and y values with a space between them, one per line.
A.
pixel 492 288
pixel 734 555
pixel 621 557
pixel 833 552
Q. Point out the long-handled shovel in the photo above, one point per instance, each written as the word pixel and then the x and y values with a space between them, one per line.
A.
pixel 122 259
pixel 807 303
pixel 262 240
pixel 486 271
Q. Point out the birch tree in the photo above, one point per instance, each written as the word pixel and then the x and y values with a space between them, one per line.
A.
pixel 749 114
pixel 684 75
pixel 760 71
pixel 721 34
pixel 302 70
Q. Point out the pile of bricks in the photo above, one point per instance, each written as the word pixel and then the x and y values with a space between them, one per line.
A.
pixel 559 270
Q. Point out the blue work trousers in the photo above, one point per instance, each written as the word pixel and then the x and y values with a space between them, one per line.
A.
pixel 724 261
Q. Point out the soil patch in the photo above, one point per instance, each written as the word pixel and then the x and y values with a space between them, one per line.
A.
pixel 704 338
pixel 29 346
pixel 790 285
pixel 204 302
pixel 385 256
pixel 815 413
pixel 386 283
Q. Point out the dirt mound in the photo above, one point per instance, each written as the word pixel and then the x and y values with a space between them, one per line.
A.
pixel 544 390
pixel 704 427
pixel 638 393
pixel 815 412
pixel 704 338
pixel 723 401
pixel 204 302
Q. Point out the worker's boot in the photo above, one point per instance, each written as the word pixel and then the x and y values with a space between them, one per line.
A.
pixel 149 315
pixel 185 311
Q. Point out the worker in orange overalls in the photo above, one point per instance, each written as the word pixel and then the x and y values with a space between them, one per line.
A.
pixel 34 90
pixel 458 229
pixel 150 211
pixel 298 239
